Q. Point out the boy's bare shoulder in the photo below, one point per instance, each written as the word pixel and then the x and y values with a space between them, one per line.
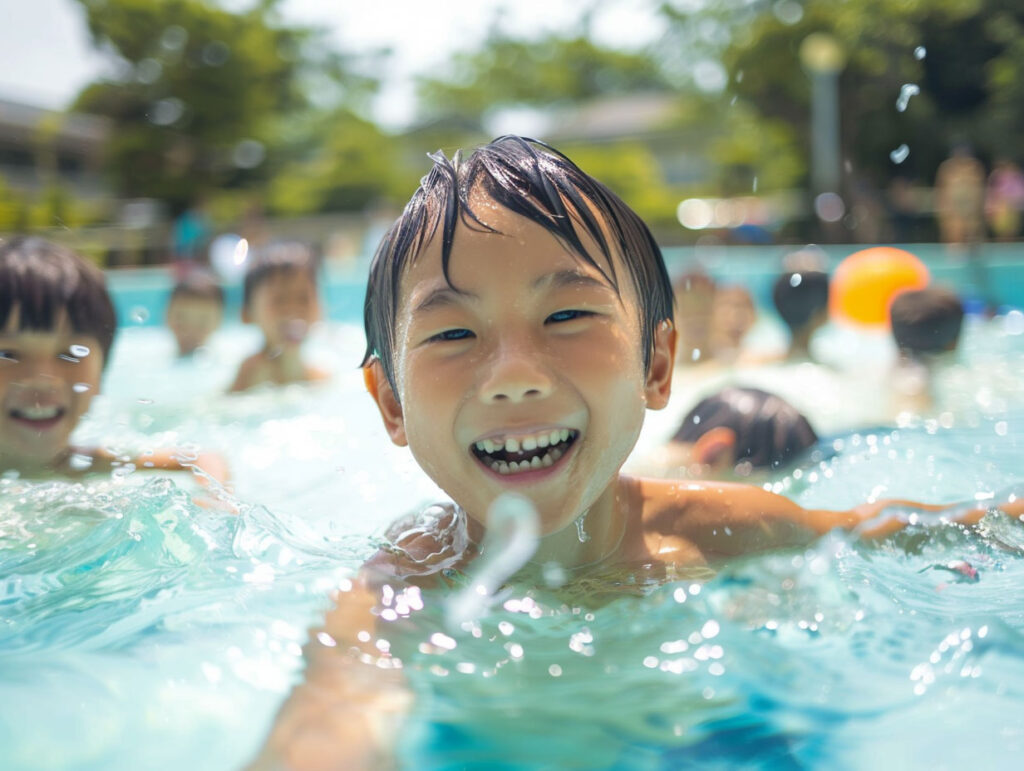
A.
pixel 420 545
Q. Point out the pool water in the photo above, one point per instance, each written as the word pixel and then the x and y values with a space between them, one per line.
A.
pixel 141 630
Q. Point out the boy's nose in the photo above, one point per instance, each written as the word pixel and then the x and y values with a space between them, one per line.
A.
pixel 516 374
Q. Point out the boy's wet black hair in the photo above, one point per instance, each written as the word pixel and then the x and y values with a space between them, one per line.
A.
pixel 276 258
pixel 926 320
pixel 44 280
pixel 769 430
pixel 799 296
pixel 535 181
pixel 200 285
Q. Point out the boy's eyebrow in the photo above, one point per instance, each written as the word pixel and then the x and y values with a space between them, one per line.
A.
pixel 445 296
pixel 440 297
pixel 569 278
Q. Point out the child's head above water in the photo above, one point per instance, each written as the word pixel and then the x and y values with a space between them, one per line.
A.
pixel 56 328
pixel 535 182
pixel 279 293
pixel 518 319
pixel 194 310
pixel 926 321
pixel 801 299
pixel 738 425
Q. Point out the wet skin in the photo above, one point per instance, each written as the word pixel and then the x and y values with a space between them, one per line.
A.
pixel 532 342
pixel 47 381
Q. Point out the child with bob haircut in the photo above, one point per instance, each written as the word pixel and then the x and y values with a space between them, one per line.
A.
pixel 57 326
pixel 279 296
pixel 519 324
pixel 194 310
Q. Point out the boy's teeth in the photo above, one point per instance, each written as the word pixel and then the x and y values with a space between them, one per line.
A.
pixel 555 437
pixel 39 413
pixel 529 443
pixel 543 440
pixel 511 445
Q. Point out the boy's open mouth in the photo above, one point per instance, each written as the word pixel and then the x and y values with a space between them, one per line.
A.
pixel 37 417
pixel 529 452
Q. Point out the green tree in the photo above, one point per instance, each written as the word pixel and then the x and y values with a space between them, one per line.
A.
pixel 956 62
pixel 201 94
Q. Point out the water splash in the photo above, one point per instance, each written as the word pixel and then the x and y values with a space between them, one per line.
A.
pixel 900 154
pixel 907 90
pixel 511 540
pixel 920 52
pixel 582 534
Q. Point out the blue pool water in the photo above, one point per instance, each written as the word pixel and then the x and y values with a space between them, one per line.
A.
pixel 141 630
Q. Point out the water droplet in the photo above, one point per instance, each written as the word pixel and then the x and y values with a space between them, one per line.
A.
pixel 829 207
pixel 920 52
pixel 167 111
pixel 582 534
pixel 795 280
pixel 140 314
pixel 900 154
pixel 554 670
pixel 907 90
pixel 79 351
pixel 81 388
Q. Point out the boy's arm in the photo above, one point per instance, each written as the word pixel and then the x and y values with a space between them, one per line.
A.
pixel 724 519
pixel 347 711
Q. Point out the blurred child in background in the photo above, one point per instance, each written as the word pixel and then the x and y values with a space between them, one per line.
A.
pixel 195 310
pixel 694 294
pixel 801 299
pixel 732 315
pixel 280 297
pixel 926 327
pixel 733 432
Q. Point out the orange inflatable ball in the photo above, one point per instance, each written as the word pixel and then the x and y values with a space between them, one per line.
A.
pixel 865 283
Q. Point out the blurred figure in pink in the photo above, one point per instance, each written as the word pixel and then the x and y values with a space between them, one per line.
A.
pixel 1004 199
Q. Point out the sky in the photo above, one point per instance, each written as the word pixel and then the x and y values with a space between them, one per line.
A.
pixel 46 57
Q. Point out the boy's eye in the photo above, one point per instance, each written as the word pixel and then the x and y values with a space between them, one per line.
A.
pixel 567 315
pixel 451 334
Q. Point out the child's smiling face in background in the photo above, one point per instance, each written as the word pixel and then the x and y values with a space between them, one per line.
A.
pixel 47 381
pixel 535 361
pixel 284 307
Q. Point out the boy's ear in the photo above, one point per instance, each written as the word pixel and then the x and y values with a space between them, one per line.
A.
pixel 663 358
pixel 715 448
pixel 390 410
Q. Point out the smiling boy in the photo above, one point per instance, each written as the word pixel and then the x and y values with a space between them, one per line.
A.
pixel 57 326
pixel 519 324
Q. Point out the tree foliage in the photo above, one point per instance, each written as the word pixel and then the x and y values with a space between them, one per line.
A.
pixel 964 56
pixel 200 93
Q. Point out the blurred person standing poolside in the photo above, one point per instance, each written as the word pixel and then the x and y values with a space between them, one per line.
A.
pixel 1004 199
pixel 960 195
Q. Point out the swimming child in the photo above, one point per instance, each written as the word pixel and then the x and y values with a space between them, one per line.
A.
pixel 926 326
pixel 519 324
pixel 732 315
pixel 195 310
pixel 736 431
pixel 57 326
pixel 280 297
pixel 801 299
pixel 694 294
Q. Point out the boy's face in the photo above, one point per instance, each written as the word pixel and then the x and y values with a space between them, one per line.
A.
pixel 536 361
pixel 192 320
pixel 284 306
pixel 47 381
